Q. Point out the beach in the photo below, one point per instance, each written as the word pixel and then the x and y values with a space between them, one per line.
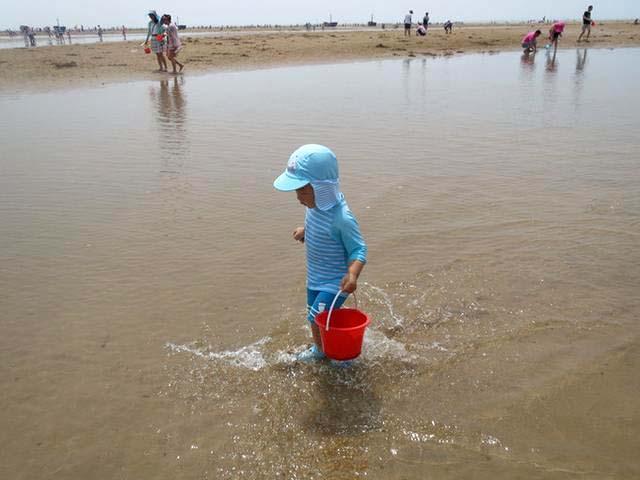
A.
pixel 69 65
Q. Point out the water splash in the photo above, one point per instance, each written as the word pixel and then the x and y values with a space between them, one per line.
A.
pixel 378 346
pixel 250 356
pixel 382 297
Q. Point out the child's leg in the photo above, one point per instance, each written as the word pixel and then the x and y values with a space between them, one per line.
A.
pixel 318 302
pixel 172 60
pixel 177 62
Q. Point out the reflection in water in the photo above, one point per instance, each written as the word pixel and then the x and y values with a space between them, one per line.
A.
pixel 551 78
pixel 581 60
pixel 171 116
pixel 346 412
pixel 347 403
pixel 551 61
pixel 528 61
pixel 406 70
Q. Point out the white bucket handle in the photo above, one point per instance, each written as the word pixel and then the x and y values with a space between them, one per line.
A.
pixel 333 304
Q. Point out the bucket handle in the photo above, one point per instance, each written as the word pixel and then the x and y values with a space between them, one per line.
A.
pixel 333 304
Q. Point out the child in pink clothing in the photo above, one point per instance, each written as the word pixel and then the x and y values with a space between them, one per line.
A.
pixel 555 33
pixel 173 42
pixel 529 41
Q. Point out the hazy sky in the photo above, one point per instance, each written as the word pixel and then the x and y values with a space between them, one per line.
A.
pixel 232 12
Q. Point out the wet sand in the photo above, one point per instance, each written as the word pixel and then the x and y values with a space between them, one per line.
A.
pixel 69 65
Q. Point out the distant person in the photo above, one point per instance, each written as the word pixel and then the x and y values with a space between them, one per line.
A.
pixel 32 37
pixel 586 24
pixel 407 23
pixel 425 22
pixel 173 42
pixel 421 31
pixel 448 26
pixel 25 35
pixel 100 32
pixel 69 36
pixel 155 31
pixel 555 33
pixel 124 33
pixel 530 41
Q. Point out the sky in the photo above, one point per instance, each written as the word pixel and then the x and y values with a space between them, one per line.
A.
pixel 132 13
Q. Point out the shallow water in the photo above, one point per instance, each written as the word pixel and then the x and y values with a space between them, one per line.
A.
pixel 152 300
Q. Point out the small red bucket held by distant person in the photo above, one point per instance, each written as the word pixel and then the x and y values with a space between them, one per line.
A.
pixel 342 331
pixel 147 50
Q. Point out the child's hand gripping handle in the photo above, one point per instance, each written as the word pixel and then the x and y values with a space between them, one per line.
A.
pixel 333 305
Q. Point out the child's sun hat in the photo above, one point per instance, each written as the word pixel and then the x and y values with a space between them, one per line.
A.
pixel 316 165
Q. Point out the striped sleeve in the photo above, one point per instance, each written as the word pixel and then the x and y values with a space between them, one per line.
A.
pixel 347 231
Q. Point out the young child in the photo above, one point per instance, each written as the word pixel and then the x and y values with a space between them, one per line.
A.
pixel 530 41
pixel 173 42
pixel 336 251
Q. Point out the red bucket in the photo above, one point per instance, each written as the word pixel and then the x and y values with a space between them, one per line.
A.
pixel 147 50
pixel 342 331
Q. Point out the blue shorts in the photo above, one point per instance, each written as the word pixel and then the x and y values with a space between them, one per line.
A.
pixel 319 301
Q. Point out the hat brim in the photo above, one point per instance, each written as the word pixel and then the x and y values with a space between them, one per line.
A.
pixel 287 182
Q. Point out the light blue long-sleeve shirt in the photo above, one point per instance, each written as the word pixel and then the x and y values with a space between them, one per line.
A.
pixel 333 240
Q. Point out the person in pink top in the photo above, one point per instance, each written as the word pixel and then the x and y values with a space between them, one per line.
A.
pixel 173 42
pixel 530 41
pixel 555 33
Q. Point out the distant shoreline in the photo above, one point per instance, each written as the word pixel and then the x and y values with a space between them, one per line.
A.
pixel 341 25
pixel 64 66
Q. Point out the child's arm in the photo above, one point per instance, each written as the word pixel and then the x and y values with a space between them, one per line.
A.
pixel 356 248
pixel 350 281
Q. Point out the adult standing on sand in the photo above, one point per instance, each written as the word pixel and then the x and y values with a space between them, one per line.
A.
pixel 124 33
pixel 425 22
pixel 586 24
pixel 407 23
pixel 157 46
pixel 100 32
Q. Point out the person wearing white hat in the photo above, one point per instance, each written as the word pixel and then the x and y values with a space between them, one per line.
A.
pixel 336 251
